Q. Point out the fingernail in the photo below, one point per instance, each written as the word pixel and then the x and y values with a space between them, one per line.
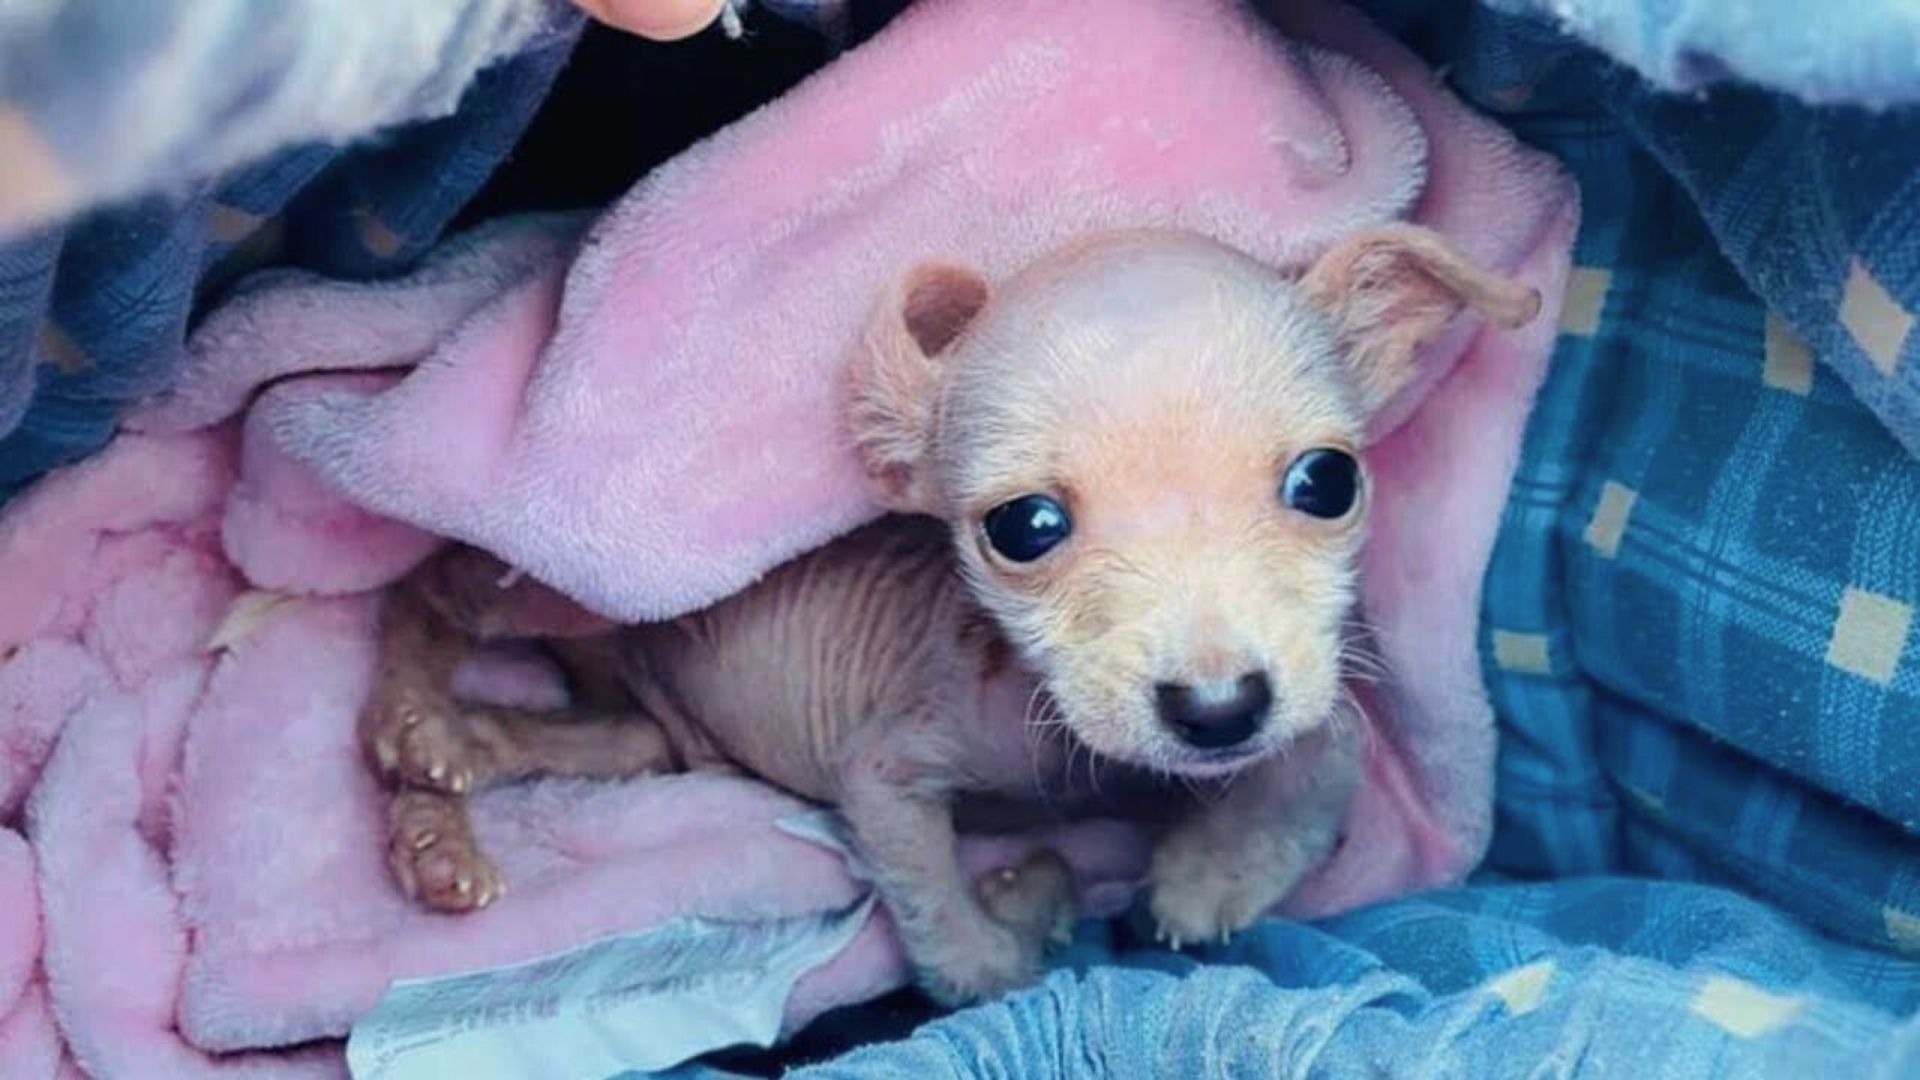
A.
pixel 660 20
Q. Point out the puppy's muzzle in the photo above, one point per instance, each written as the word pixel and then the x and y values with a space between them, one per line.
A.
pixel 1215 717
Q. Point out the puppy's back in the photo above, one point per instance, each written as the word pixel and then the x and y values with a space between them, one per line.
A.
pixel 783 675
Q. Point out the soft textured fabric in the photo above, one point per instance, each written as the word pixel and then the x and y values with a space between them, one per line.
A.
pixel 519 432
pixel 101 102
pixel 209 840
pixel 1815 207
pixel 197 141
pixel 1855 52
pixel 193 630
pixel 1794 193
pixel 94 314
pixel 29 1043
pixel 1580 978
pixel 1699 623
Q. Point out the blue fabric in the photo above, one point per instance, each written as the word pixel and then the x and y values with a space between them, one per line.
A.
pixel 1597 977
pixel 1845 51
pixel 1801 198
pixel 1712 540
pixel 93 316
pixel 123 99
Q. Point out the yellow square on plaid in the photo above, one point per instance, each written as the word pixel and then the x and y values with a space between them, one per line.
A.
pixel 1869 634
pixel 1523 988
pixel 1903 929
pixel 1741 1008
pixel 1789 363
pixel 1522 654
pixel 1874 318
pixel 1608 526
pixel 1586 300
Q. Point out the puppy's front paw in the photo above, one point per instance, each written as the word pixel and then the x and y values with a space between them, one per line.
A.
pixel 434 855
pixel 1034 899
pixel 1201 893
pixel 427 744
pixel 970 967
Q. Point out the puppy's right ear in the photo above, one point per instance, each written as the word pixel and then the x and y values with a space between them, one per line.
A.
pixel 1390 289
pixel 897 379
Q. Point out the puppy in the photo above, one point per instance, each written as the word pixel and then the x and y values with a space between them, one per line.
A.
pixel 1127 509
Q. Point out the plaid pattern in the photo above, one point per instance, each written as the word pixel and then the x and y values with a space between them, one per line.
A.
pixel 1700 621
pixel 1815 207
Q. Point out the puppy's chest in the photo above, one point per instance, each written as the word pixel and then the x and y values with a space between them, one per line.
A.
pixel 1024 768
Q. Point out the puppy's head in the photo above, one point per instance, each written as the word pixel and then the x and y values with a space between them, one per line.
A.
pixel 1148 445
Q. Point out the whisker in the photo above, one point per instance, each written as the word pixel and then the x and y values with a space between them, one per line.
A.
pixel 1350 715
pixel 1042 724
pixel 1074 746
pixel 1359 658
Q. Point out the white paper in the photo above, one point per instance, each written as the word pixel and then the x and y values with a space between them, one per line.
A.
pixel 632 1003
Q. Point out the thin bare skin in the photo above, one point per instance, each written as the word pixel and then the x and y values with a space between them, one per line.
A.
pixel 875 720
pixel 908 675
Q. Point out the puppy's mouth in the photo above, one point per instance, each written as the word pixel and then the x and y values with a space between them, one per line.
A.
pixel 1211 764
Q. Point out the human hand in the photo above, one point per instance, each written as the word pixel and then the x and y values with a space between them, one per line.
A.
pixel 660 20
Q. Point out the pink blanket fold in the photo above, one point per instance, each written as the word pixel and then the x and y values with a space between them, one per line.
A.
pixel 30 1047
pixel 646 418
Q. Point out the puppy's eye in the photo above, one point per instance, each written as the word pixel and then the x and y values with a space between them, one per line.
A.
pixel 1028 527
pixel 1322 483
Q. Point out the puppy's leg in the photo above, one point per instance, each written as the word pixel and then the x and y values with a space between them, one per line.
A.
pixel 488 600
pixel 412 730
pixel 1238 855
pixel 431 845
pixel 473 747
pixel 419 650
pixel 898 807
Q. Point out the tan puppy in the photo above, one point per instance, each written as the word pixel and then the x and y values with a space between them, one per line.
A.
pixel 1130 508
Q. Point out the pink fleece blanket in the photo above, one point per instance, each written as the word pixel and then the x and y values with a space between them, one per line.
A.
pixel 645 418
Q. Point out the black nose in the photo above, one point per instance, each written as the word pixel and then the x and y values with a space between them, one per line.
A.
pixel 1212 723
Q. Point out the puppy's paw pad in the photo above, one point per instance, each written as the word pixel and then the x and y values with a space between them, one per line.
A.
pixel 1034 898
pixel 454 877
pixel 436 750
pixel 436 860
pixel 1198 897
pixel 389 718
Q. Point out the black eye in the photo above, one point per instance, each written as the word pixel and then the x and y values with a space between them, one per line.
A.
pixel 1322 483
pixel 1027 527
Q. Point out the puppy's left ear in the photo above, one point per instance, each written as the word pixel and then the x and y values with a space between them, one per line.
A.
pixel 1389 290
pixel 897 379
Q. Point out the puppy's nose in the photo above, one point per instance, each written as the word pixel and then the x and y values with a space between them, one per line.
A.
pixel 1215 721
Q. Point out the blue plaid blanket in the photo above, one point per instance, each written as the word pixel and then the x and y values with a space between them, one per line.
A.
pixel 1699 621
